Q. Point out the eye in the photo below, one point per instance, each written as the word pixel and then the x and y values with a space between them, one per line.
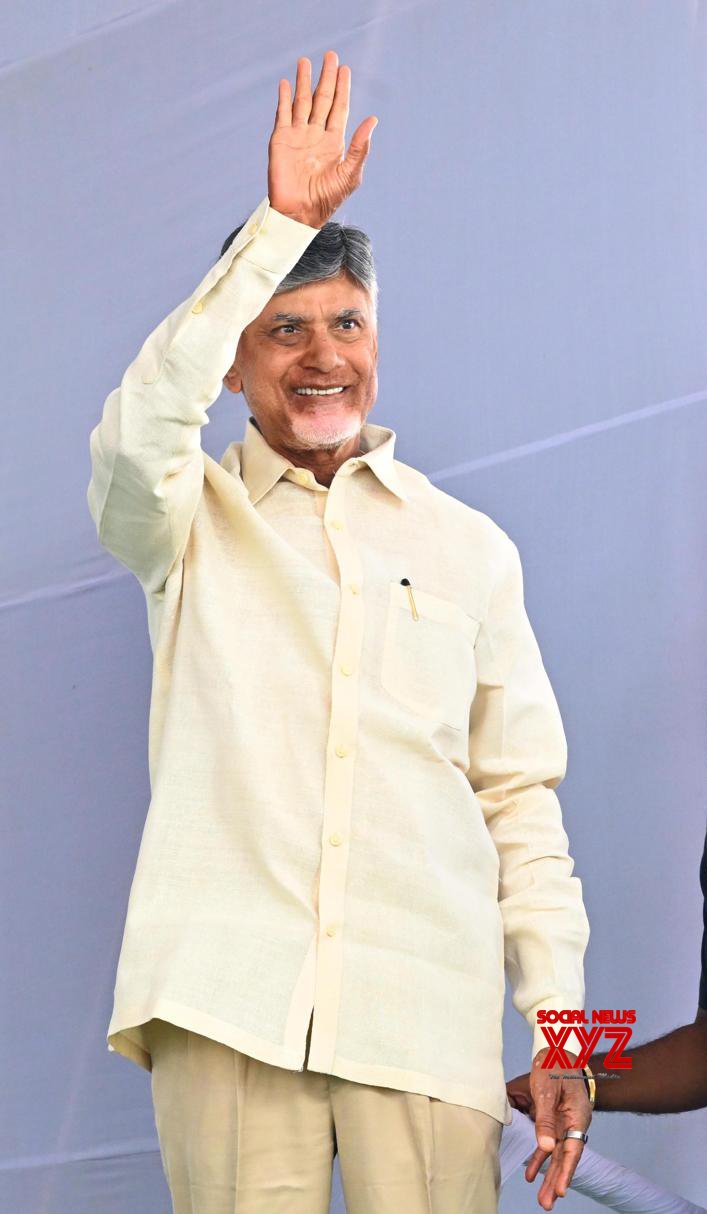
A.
pixel 347 320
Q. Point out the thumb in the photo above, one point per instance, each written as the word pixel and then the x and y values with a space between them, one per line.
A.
pixel 545 1130
pixel 545 1119
pixel 361 141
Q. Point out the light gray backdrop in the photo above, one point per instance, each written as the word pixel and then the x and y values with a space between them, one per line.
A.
pixel 537 198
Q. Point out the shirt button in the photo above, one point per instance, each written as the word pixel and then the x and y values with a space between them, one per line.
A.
pixel 337 524
pixel 253 229
pixel 331 931
pixel 198 307
pixel 148 379
pixel 302 476
pixel 335 840
pixel 341 752
pixel 354 588
pixel 346 670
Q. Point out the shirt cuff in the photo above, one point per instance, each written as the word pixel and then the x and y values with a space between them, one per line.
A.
pixel 559 1004
pixel 276 236
pixel 269 240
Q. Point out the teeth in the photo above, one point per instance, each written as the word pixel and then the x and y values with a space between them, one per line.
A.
pixel 318 391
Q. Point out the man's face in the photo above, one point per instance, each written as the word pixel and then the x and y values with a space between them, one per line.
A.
pixel 319 335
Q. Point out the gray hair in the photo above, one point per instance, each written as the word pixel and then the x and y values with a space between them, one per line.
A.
pixel 335 248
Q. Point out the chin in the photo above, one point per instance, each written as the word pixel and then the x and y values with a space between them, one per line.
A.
pixel 325 431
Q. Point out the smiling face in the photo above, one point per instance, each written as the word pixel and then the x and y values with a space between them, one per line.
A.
pixel 320 335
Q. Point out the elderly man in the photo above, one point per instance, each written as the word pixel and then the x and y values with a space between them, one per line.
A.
pixel 353 748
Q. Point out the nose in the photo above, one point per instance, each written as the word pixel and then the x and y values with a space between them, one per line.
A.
pixel 322 354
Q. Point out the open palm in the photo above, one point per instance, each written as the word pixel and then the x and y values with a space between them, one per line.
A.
pixel 309 172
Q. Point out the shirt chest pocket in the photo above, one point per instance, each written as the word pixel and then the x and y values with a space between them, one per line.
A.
pixel 428 663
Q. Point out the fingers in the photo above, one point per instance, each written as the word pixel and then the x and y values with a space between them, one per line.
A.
pixel 561 1169
pixel 302 103
pixel 325 91
pixel 339 113
pixel 283 117
pixel 559 1174
pixel 537 1160
pixel 330 105
pixel 547 1193
pixel 571 1155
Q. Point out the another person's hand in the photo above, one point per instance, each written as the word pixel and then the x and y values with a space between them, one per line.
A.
pixel 561 1103
pixel 308 174
pixel 519 1094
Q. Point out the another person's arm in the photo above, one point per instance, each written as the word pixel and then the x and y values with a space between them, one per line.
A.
pixel 668 1075
pixel 604 1180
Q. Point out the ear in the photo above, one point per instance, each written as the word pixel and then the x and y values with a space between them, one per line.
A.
pixel 232 380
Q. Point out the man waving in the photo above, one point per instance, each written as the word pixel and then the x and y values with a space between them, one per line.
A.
pixel 353 746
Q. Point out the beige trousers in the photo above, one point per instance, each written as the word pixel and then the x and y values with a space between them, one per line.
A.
pixel 239 1136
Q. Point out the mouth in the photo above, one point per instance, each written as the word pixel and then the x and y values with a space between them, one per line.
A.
pixel 322 394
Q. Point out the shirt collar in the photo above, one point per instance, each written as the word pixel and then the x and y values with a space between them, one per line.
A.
pixel 262 467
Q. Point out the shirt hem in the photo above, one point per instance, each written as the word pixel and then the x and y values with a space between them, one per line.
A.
pixel 125 1037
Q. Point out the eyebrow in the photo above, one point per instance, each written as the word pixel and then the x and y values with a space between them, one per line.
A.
pixel 298 318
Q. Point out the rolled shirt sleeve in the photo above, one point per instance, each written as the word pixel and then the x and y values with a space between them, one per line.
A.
pixel 518 756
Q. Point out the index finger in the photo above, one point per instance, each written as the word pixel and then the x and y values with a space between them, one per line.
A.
pixel 571 1155
pixel 536 1161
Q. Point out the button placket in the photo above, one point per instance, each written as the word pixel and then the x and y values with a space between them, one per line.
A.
pixel 338 785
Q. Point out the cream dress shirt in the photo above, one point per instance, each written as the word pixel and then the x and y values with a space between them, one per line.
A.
pixel 352 801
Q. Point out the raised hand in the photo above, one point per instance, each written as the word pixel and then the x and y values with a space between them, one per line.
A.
pixel 309 175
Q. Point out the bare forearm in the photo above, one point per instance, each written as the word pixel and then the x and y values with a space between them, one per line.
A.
pixel 668 1075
